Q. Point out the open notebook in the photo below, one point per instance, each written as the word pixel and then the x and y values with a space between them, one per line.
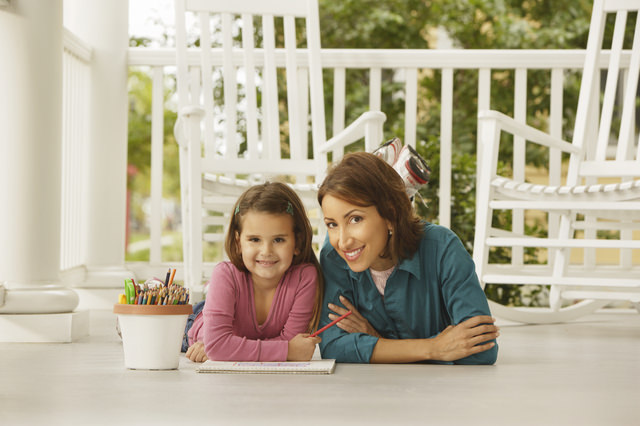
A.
pixel 324 366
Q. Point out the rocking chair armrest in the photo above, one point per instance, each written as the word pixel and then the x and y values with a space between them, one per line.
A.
pixel 355 131
pixel 185 113
pixel 531 134
pixel 189 110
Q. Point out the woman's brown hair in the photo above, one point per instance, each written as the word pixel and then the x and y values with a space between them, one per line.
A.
pixel 276 198
pixel 365 180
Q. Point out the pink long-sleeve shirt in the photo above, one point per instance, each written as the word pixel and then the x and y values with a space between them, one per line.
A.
pixel 228 325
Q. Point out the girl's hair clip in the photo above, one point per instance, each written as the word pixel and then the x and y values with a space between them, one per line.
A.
pixel 237 210
pixel 289 208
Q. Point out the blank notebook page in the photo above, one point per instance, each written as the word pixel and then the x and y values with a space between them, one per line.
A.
pixel 324 366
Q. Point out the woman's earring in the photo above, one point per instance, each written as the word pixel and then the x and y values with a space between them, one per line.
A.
pixel 390 232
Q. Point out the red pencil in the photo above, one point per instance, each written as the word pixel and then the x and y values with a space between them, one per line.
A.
pixel 334 322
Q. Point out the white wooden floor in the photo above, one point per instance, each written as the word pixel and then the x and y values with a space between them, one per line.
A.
pixel 582 373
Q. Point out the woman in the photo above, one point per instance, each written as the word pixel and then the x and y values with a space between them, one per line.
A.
pixel 411 285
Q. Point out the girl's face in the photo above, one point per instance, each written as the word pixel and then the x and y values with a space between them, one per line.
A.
pixel 267 244
pixel 359 234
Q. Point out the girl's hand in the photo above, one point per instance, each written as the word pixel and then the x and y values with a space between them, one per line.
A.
pixel 354 323
pixel 196 352
pixel 301 347
pixel 467 338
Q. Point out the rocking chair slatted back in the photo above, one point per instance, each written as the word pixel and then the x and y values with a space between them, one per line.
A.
pixel 235 126
pixel 598 206
pixel 600 160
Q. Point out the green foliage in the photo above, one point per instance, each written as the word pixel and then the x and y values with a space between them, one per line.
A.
pixel 387 24
pixel 515 24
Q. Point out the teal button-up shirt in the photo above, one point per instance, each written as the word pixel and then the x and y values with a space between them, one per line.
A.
pixel 435 288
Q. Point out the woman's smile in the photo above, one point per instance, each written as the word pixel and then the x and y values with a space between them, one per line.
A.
pixel 353 254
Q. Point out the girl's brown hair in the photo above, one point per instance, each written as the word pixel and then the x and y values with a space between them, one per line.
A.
pixel 276 198
pixel 365 180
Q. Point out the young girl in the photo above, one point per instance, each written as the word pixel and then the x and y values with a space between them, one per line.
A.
pixel 262 304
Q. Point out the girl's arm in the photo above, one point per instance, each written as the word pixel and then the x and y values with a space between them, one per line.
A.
pixel 302 283
pixel 196 352
pixel 220 343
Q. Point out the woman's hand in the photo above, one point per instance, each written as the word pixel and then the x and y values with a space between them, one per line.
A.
pixel 196 352
pixel 354 323
pixel 301 347
pixel 467 338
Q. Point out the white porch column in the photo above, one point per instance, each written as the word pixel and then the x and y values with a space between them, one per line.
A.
pixel 104 26
pixel 30 163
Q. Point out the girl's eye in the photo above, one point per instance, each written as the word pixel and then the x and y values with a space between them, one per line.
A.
pixel 279 240
pixel 254 239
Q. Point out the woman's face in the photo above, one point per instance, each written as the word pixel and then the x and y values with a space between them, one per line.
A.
pixel 358 234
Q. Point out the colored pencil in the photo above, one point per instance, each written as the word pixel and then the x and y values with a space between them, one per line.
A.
pixel 334 322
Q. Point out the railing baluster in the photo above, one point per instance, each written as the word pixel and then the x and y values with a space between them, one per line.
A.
pixel 411 106
pixel 484 101
pixel 519 157
pixel 555 128
pixel 446 147
pixel 338 99
pixel 157 142
pixel 76 58
pixel 375 89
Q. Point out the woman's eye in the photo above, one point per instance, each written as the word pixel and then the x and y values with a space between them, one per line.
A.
pixel 330 225
pixel 355 219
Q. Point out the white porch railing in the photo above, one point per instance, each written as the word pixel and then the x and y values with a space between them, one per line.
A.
pixel 75 98
pixel 409 64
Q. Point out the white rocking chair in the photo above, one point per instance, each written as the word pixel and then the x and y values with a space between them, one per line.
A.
pixel 230 140
pixel 601 193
